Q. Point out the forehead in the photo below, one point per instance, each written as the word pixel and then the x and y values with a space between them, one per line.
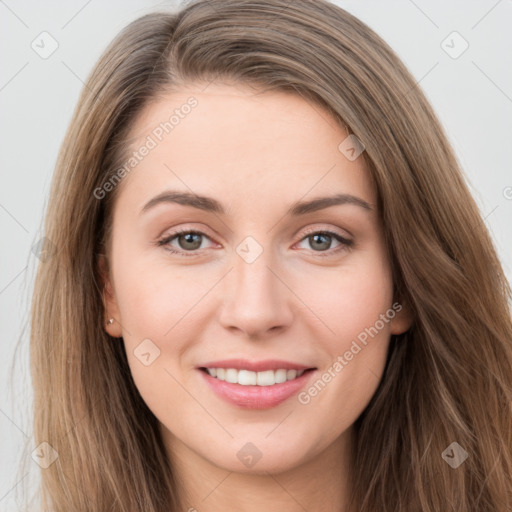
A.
pixel 223 139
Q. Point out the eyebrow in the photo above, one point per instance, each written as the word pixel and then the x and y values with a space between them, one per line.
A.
pixel 209 204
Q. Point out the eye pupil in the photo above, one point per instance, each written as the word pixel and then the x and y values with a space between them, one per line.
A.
pixel 189 238
pixel 323 245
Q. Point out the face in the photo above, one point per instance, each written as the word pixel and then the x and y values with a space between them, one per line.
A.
pixel 222 257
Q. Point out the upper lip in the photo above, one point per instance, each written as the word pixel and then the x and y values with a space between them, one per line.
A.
pixel 255 366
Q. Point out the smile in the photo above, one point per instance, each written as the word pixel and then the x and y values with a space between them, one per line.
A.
pixel 255 390
pixel 250 378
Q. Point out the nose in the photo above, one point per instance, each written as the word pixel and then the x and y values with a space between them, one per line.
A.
pixel 256 299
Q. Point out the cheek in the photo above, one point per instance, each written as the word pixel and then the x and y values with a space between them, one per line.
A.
pixel 154 297
pixel 160 307
pixel 352 297
pixel 157 304
pixel 357 307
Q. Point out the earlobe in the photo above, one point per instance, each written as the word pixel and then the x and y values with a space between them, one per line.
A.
pixel 402 320
pixel 112 319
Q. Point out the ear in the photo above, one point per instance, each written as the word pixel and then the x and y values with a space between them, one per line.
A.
pixel 403 318
pixel 109 299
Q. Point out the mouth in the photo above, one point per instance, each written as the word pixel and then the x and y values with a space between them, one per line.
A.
pixel 260 385
pixel 251 378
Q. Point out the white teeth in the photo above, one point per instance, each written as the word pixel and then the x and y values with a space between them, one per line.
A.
pixel 280 376
pixel 248 378
pixel 266 378
pixel 231 375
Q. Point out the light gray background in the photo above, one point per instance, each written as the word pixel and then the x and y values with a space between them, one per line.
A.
pixel 472 95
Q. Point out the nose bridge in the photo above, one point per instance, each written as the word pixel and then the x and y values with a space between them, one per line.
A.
pixel 255 299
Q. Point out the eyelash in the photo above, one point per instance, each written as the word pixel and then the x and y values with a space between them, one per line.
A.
pixel 345 243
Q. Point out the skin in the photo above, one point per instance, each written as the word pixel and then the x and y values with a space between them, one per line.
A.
pixel 256 153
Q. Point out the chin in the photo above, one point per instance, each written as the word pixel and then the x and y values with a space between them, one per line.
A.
pixel 259 457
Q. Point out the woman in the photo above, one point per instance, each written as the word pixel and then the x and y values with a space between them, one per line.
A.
pixel 194 348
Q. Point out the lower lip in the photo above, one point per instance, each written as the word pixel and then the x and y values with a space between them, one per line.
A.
pixel 256 397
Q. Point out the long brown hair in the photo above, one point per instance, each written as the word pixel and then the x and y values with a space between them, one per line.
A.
pixel 448 379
